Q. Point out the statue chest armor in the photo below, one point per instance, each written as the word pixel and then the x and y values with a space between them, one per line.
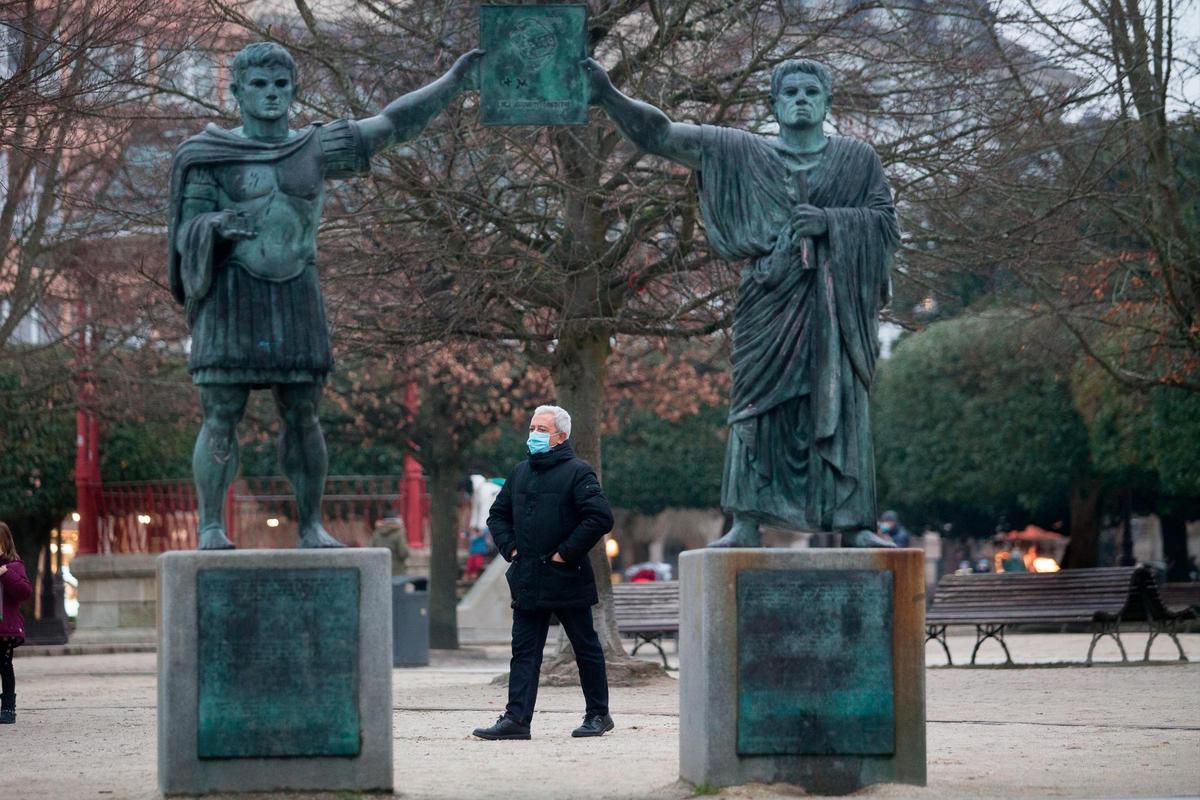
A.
pixel 283 203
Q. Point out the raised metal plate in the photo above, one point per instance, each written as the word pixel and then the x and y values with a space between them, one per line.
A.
pixel 531 74
pixel 278 661
pixel 815 662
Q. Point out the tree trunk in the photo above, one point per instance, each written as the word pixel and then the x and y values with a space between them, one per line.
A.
pixel 31 535
pixel 443 557
pixel 1084 548
pixel 578 372
pixel 579 368
pixel 442 457
pixel 1126 559
pixel 1174 540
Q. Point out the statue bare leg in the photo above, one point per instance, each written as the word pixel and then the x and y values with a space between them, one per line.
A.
pixel 303 458
pixel 215 459
pixel 744 533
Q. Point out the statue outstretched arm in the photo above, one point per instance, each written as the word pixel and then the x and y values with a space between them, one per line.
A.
pixel 405 118
pixel 641 123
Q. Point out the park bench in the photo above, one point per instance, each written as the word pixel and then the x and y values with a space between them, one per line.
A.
pixel 1181 595
pixel 1101 598
pixel 647 612
pixel 1160 614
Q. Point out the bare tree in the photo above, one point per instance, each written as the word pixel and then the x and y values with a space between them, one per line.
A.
pixel 68 102
pixel 1089 208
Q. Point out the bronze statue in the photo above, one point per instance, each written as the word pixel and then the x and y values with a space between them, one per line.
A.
pixel 813 217
pixel 245 205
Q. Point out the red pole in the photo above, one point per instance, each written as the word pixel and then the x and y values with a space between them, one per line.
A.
pixel 87 444
pixel 414 481
pixel 414 491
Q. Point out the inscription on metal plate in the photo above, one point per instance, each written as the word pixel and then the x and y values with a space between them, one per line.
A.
pixel 815 662
pixel 278 662
pixel 531 74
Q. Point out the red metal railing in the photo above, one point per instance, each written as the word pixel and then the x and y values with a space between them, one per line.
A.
pixel 154 516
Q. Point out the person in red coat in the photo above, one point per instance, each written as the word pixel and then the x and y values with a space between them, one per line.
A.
pixel 14 590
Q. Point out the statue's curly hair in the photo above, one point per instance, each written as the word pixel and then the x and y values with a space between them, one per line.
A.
pixel 261 54
pixel 807 65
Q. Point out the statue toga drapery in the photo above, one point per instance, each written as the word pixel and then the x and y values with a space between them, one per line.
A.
pixel 813 217
pixel 805 327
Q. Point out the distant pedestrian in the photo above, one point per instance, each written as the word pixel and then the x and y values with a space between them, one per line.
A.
pixel 549 514
pixel 14 590
pixel 477 553
pixel 889 526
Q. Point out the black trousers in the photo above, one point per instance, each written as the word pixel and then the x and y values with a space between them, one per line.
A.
pixel 529 640
pixel 8 679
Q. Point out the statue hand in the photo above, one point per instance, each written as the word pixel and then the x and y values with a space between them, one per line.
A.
pixel 466 70
pixel 809 221
pixel 236 225
pixel 599 84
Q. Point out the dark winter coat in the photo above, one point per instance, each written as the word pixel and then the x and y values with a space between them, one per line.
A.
pixel 16 589
pixel 551 503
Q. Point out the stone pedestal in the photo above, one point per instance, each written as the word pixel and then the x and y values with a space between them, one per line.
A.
pixel 275 671
pixel 802 666
pixel 117 599
pixel 485 613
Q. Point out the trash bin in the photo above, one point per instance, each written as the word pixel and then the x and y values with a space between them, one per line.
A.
pixel 410 621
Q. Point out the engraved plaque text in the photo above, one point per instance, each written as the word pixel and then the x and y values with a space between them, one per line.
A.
pixel 531 74
pixel 278 663
pixel 815 662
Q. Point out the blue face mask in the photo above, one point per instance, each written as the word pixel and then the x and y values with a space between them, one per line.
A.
pixel 538 442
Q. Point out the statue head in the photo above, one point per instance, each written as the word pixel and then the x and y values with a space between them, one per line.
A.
pixel 264 80
pixel 801 90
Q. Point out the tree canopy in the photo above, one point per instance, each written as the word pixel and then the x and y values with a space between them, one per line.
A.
pixel 986 418
pixel 974 425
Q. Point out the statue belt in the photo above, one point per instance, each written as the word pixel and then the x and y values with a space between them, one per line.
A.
pixel 272 276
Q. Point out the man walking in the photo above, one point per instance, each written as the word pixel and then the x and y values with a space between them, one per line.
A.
pixel 549 514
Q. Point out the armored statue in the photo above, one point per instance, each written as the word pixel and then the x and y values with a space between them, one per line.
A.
pixel 242 232
pixel 813 218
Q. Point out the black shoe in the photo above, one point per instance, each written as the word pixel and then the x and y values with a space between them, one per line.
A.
pixel 505 728
pixel 594 725
pixel 8 709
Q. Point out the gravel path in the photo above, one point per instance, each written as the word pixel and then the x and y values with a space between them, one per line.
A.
pixel 86 729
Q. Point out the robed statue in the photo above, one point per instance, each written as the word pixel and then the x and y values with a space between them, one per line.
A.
pixel 813 218
pixel 242 236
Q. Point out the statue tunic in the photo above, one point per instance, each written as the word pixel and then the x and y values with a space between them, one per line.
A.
pixel 255 308
pixel 805 331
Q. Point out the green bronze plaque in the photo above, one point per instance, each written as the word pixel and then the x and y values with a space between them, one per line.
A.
pixel 815 662
pixel 278 660
pixel 531 74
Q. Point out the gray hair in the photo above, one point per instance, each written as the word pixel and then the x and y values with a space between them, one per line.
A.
pixel 562 420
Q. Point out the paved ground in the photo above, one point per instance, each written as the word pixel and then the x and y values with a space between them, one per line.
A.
pixel 86 729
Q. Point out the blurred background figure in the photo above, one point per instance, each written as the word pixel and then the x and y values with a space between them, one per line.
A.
pixel 478 552
pixel 483 494
pixel 890 527
pixel 390 533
